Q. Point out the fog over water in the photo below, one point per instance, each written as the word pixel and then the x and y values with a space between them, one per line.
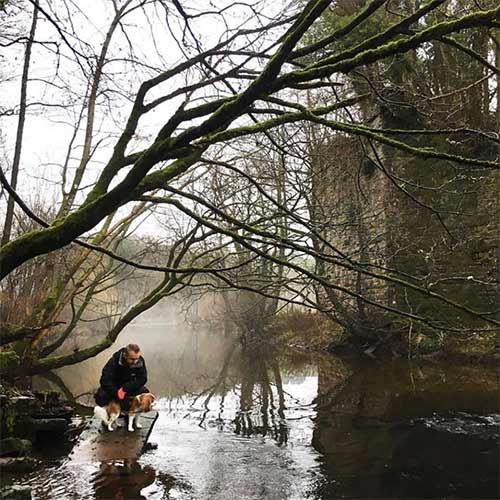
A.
pixel 180 345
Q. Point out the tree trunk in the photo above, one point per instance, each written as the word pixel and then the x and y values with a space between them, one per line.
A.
pixel 9 216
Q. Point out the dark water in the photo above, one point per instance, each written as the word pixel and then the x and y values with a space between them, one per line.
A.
pixel 269 424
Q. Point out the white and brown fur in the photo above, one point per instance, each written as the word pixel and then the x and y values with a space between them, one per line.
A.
pixel 138 404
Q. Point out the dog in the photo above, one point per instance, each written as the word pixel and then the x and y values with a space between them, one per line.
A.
pixel 134 407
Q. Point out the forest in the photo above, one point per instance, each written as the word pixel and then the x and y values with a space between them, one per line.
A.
pixel 249 249
pixel 316 159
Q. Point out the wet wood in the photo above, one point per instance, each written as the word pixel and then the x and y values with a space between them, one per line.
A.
pixel 97 444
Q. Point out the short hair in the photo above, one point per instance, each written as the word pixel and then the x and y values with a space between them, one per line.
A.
pixel 133 348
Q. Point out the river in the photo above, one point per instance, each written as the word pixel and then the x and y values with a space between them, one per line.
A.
pixel 269 423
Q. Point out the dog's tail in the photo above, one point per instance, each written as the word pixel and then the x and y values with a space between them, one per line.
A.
pixel 101 413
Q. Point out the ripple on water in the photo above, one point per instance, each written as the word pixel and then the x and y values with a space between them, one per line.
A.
pixel 481 426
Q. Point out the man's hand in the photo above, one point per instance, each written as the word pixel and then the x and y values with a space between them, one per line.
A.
pixel 121 393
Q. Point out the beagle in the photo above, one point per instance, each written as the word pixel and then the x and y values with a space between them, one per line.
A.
pixel 134 407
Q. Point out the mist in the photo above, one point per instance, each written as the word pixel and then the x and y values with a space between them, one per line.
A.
pixel 183 344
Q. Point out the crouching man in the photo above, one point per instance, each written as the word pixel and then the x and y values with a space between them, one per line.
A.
pixel 124 375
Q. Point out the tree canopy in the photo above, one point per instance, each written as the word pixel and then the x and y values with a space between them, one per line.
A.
pixel 172 104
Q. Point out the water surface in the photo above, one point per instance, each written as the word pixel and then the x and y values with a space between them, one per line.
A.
pixel 277 424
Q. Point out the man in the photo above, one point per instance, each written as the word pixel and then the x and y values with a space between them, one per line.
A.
pixel 124 375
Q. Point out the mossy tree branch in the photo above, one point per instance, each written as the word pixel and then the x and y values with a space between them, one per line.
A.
pixel 102 202
pixel 170 284
pixel 13 333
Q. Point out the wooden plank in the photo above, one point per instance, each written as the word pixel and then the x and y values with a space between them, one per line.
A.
pixel 97 444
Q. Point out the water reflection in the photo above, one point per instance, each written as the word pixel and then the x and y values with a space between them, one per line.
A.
pixel 259 422
pixel 377 439
pixel 261 402
pixel 257 392
pixel 122 480
pixel 132 480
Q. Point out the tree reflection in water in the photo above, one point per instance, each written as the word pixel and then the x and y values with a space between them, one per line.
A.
pixel 399 430
pixel 261 397
pixel 259 413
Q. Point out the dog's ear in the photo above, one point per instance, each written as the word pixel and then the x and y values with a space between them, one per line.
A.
pixel 143 402
pixel 140 399
pixel 150 399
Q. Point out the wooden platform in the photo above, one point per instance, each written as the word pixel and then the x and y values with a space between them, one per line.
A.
pixel 97 444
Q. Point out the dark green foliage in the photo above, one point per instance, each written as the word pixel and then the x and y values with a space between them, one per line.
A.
pixel 9 360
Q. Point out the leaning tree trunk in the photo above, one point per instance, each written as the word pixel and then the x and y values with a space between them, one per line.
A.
pixel 9 216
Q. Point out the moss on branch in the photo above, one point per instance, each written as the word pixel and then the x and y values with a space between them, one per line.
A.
pixel 345 62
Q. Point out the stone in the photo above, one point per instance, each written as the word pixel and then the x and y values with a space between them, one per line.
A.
pixel 30 427
pixel 48 398
pixel 99 445
pixel 150 446
pixel 58 425
pixel 18 464
pixel 16 492
pixel 23 405
pixel 14 446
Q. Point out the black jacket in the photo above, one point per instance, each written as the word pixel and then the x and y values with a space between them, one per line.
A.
pixel 117 373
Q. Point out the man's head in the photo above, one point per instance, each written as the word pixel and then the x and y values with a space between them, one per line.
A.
pixel 132 354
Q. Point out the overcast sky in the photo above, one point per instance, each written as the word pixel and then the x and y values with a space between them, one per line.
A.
pixel 55 80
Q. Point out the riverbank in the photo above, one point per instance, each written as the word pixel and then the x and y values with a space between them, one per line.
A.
pixel 29 420
pixel 313 332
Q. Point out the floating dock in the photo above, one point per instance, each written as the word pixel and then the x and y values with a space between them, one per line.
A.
pixel 97 444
